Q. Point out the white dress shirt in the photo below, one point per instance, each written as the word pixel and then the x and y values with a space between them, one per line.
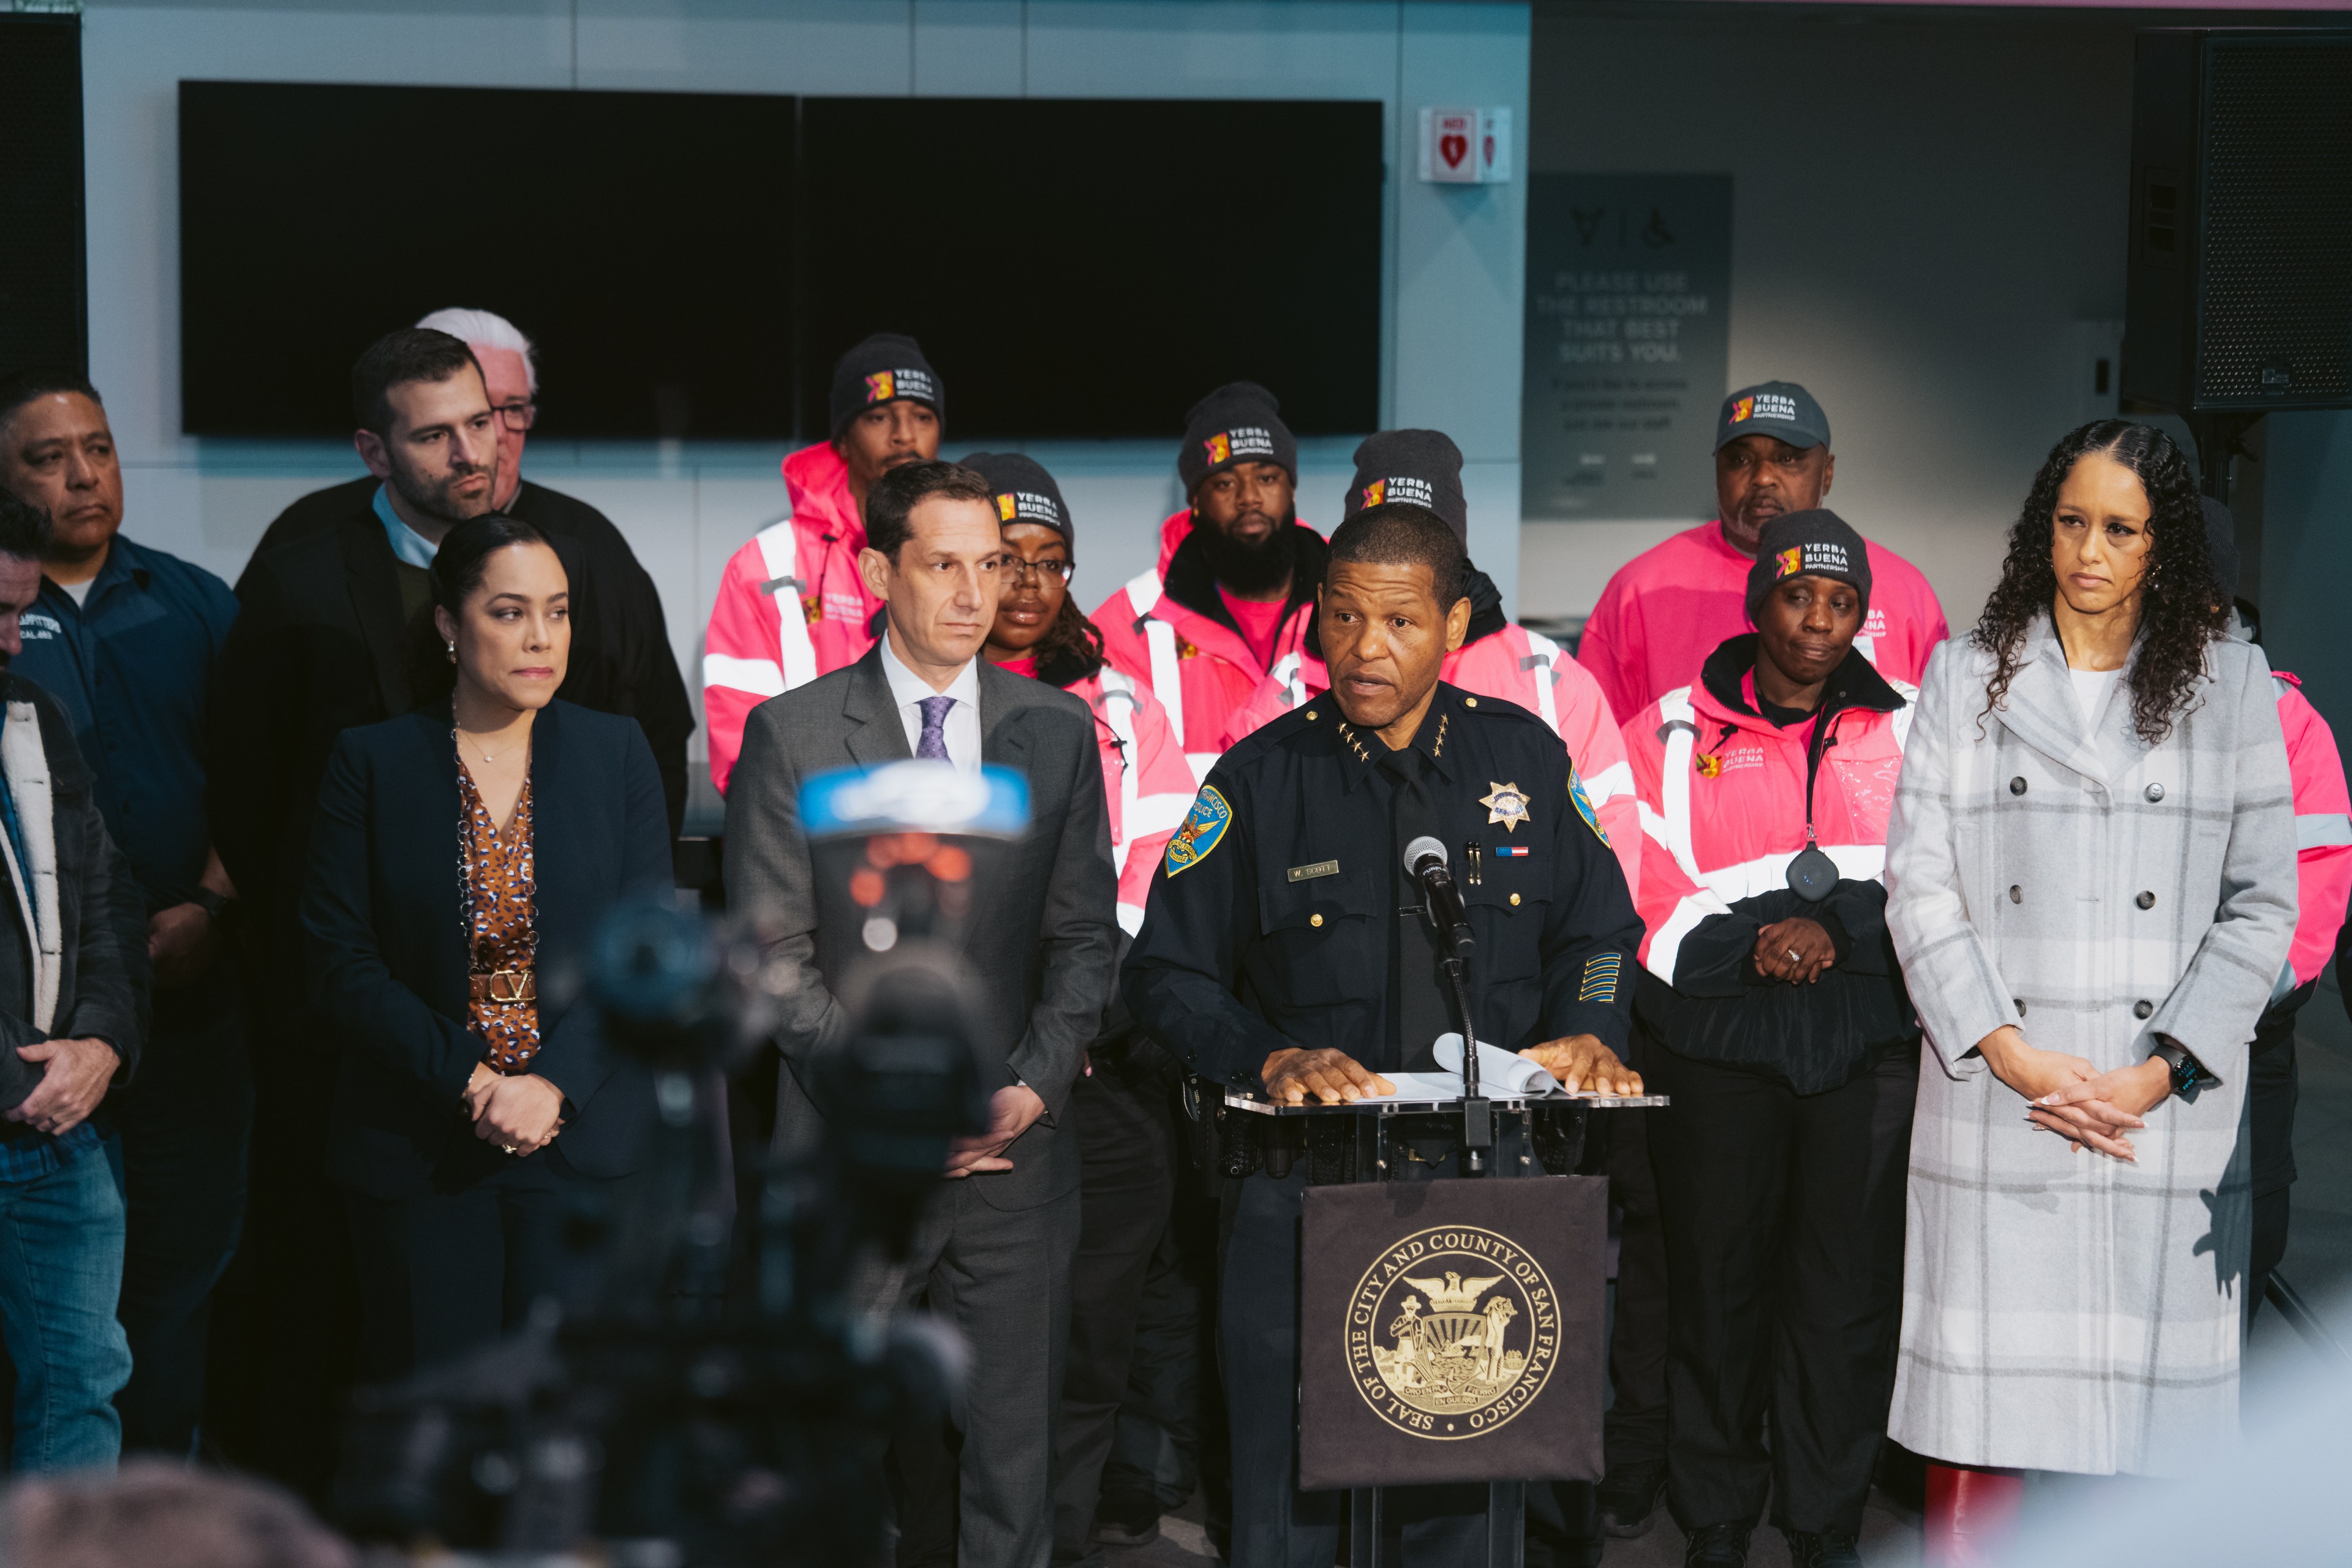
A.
pixel 961 731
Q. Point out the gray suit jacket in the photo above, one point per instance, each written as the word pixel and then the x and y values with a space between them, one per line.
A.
pixel 1043 936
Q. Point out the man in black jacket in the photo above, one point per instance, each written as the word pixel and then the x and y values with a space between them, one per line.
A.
pixel 73 1002
pixel 331 634
pixel 621 658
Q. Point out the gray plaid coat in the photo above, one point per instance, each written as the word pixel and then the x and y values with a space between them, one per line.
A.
pixel 2065 1311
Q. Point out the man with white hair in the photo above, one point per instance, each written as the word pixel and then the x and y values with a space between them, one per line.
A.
pixel 621 658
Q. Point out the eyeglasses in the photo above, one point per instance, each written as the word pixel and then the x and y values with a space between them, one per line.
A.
pixel 1016 569
pixel 517 416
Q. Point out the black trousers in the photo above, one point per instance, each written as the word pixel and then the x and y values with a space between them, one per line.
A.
pixel 449 1270
pixel 1126 1137
pixel 1783 1217
pixel 285 1317
pixel 2272 1088
pixel 1634 1431
pixel 184 1123
pixel 977 1488
pixel 1276 1525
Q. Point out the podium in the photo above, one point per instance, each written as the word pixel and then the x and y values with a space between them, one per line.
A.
pixel 1469 1356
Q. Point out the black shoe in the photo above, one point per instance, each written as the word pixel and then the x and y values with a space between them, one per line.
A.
pixel 1718 1546
pixel 1826 1548
pixel 1128 1521
pixel 1629 1497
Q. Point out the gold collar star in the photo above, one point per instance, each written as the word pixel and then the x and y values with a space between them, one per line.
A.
pixel 1506 803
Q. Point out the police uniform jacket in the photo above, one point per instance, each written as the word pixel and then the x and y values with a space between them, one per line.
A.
pixel 1271 923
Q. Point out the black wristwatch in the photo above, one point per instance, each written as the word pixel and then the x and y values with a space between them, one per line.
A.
pixel 2189 1075
pixel 213 904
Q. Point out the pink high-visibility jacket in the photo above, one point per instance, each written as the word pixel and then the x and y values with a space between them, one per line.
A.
pixel 1519 666
pixel 2323 834
pixel 1169 630
pixel 1150 784
pixel 1722 796
pixel 1671 605
pixel 791 607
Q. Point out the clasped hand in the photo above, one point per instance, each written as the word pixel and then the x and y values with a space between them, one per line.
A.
pixel 1795 949
pixel 522 1112
pixel 2067 1096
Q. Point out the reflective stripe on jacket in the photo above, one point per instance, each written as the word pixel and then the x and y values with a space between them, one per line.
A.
pixel 1722 796
pixel 1159 629
pixel 2323 834
pixel 1149 785
pixel 791 604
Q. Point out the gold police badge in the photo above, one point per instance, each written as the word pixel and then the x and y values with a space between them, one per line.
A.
pixel 1453 1332
pixel 1506 803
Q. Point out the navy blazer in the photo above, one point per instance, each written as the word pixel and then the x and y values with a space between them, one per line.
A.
pixel 383 917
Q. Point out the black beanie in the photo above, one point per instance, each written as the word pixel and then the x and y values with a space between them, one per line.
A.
pixel 2221 544
pixel 1026 492
pixel 1239 422
pixel 1411 467
pixel 886 368
pixel 1815 543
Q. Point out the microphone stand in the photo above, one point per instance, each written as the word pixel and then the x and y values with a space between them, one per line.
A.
pixel 1478 1111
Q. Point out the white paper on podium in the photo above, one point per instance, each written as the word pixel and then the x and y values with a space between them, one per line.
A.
pixel 1499 1071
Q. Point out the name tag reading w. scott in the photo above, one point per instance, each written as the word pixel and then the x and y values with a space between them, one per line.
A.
pixel 1320 869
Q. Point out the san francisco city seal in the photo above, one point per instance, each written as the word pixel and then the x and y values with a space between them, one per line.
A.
pixel 1451 1332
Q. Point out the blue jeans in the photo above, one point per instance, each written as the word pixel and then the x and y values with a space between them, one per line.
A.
pixel 61 1273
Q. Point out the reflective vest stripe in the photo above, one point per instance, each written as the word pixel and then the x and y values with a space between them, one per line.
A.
pixel 779 553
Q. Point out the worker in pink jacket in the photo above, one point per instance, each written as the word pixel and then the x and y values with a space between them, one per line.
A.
pixel 792 605
pixel 1498 658
pixel 2322 872
pixel 1124 1104
pixel 1236 590
pixel 1673 604
pixel 1774 1014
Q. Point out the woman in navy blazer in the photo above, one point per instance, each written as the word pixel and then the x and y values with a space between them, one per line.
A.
pixel 456 850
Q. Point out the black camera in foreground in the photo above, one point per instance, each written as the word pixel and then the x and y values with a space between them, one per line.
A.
pixel 705 1391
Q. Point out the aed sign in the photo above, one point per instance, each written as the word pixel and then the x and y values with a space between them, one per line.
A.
pixel 1468 146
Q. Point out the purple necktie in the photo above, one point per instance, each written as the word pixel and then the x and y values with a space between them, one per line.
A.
pixel 933 746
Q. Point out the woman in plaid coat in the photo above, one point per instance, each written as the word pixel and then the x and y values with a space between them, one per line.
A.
pixel 2090 885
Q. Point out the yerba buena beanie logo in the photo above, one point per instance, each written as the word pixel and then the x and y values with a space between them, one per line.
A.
pixel 1241 422
pixel 888 367
pixel 1451 1332
pixel 1024 491
pixel 1410 468
pixel 1812 544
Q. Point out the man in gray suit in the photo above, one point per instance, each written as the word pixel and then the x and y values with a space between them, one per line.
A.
pixel 994 1254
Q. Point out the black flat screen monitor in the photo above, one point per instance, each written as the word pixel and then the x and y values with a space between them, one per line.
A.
pixel 643 240
pixel 1085 267
pixel 690 265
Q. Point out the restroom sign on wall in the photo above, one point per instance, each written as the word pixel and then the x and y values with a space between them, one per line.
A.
pixel 1466 146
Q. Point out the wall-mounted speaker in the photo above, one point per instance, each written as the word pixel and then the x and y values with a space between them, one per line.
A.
pixel 43 291
pixel 2239 294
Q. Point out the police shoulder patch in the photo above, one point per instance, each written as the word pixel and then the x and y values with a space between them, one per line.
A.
pixel 1584 805
pixel 1205 825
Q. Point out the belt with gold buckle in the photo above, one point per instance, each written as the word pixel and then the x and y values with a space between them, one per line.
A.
pixel 505 986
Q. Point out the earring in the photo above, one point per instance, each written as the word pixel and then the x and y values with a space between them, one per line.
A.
pixel 453 653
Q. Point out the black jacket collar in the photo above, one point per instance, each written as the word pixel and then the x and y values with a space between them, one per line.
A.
pixel 1855 683
pixel 1191 584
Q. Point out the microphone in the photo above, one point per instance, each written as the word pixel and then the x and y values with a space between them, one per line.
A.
pixel 1426 863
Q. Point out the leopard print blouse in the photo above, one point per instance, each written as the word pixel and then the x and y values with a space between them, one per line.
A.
pixel 501 926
